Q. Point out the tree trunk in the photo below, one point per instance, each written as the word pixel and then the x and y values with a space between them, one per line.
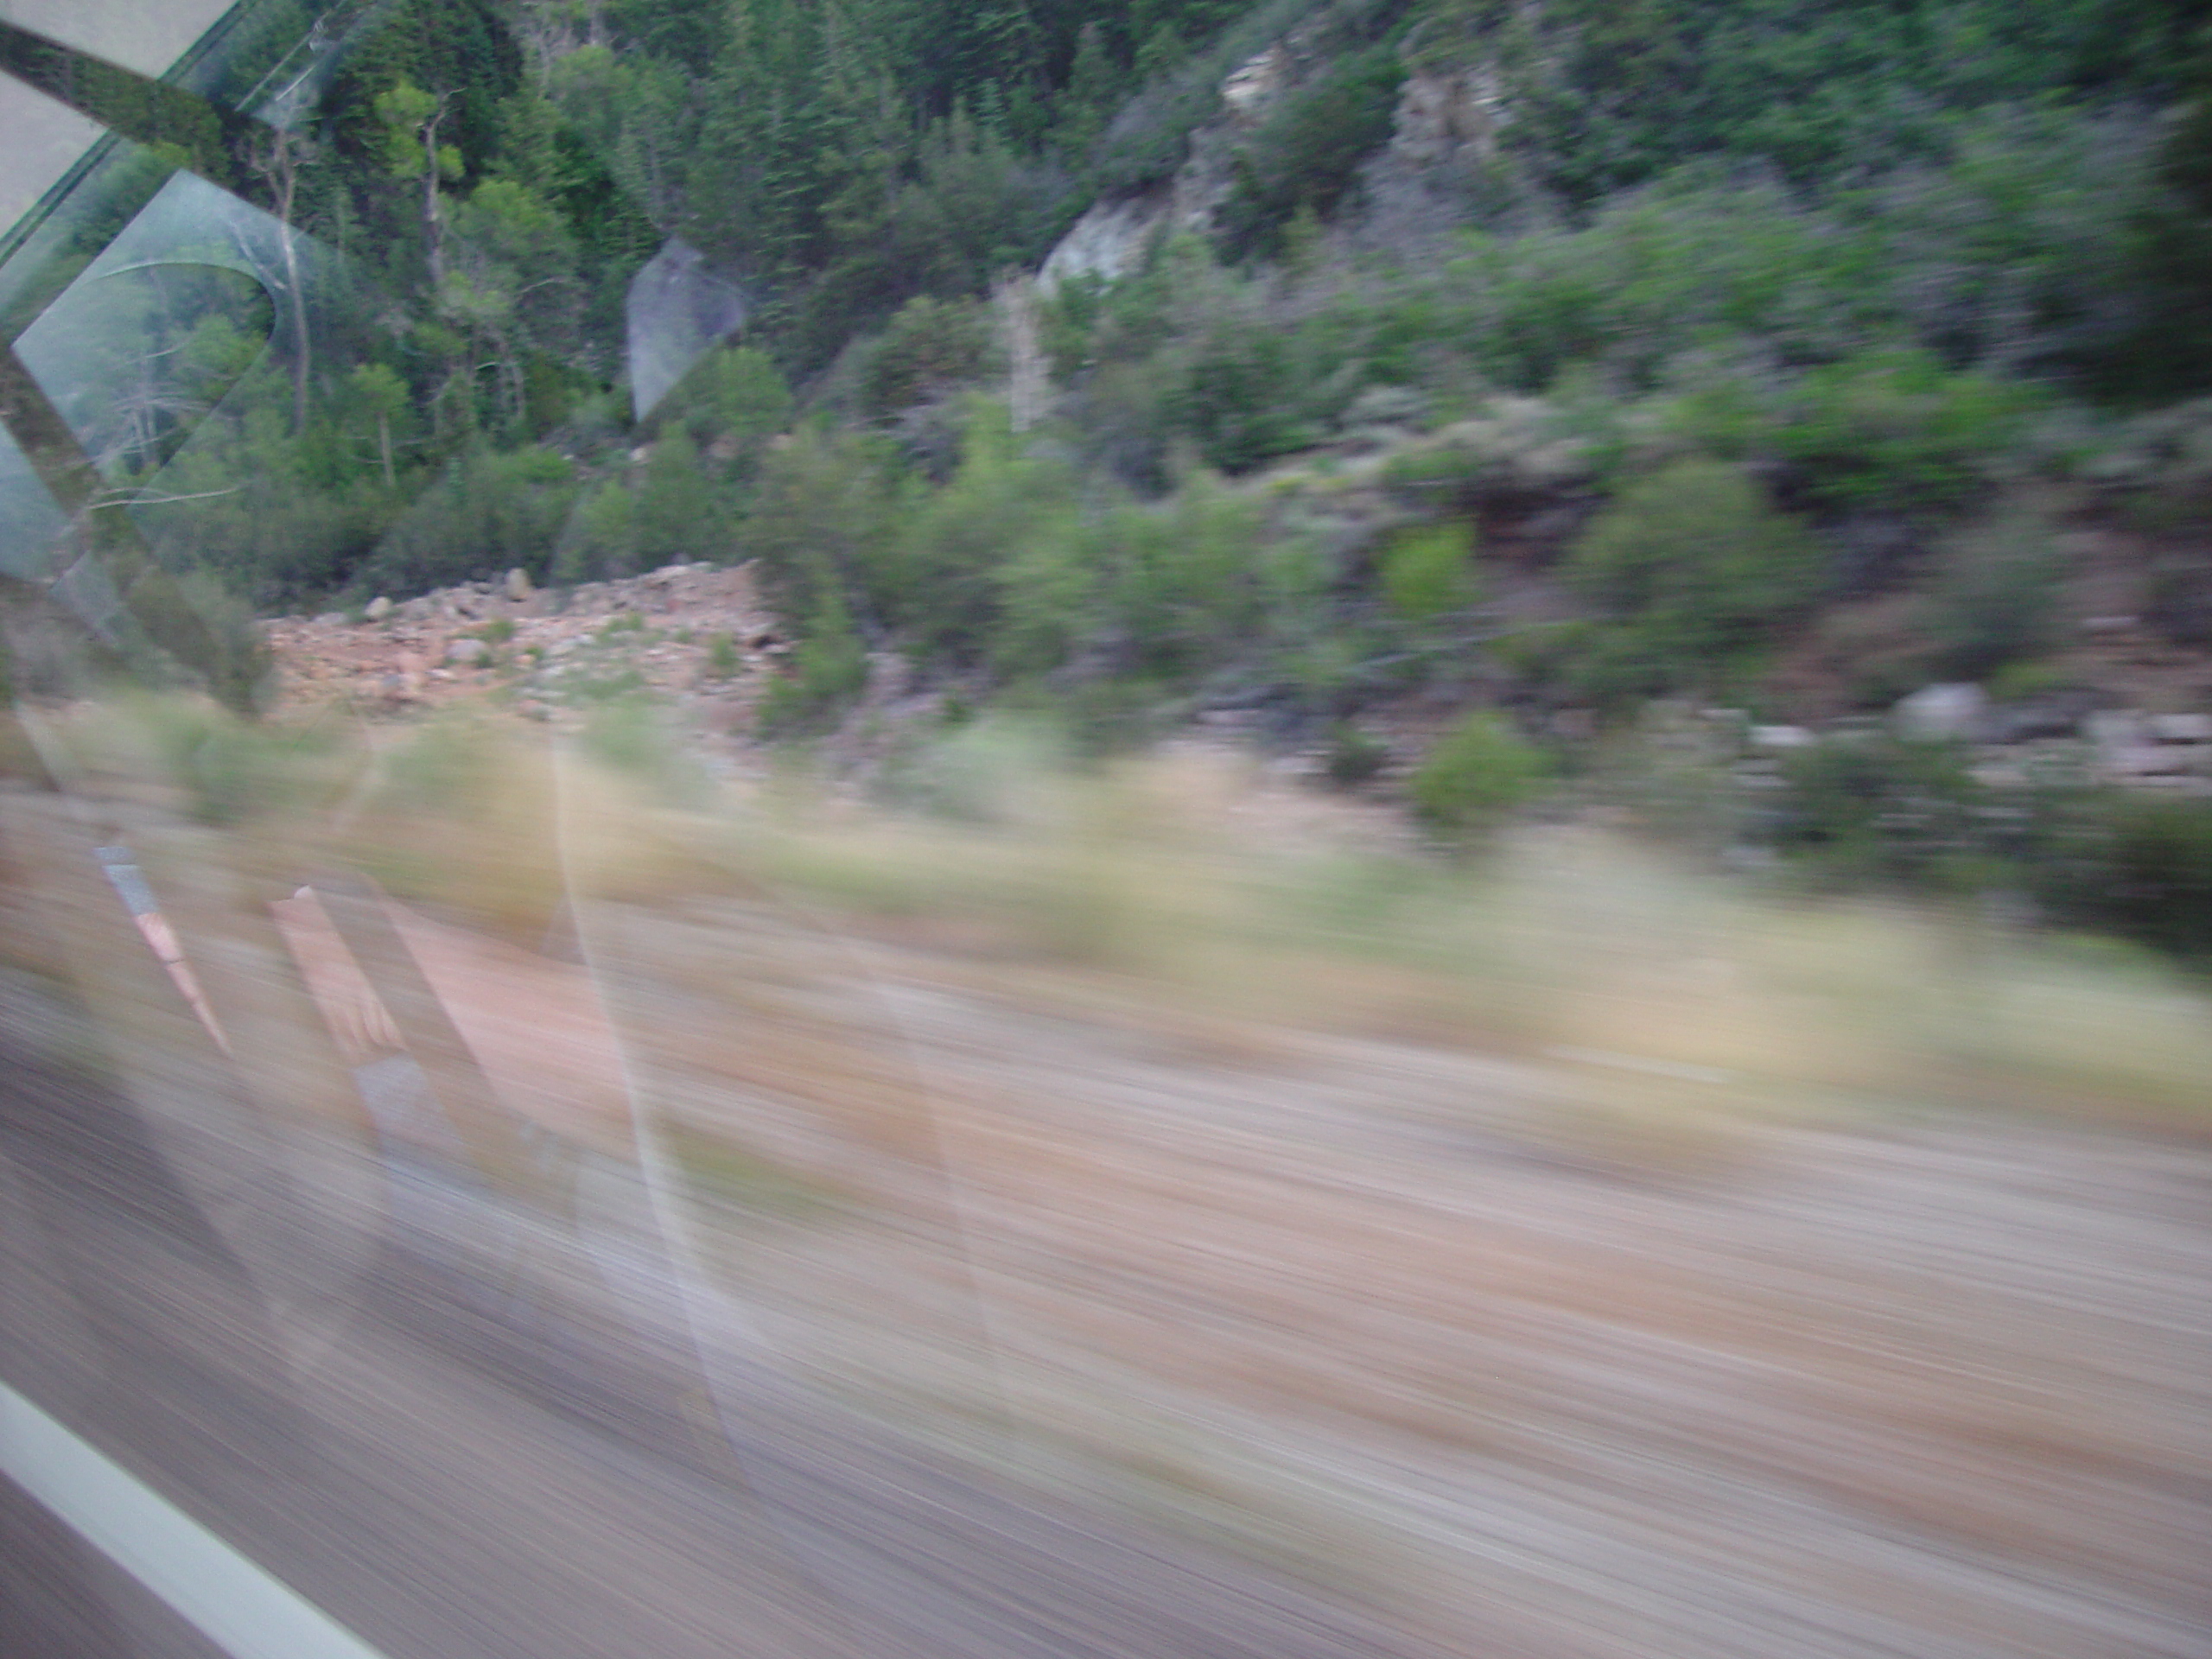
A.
pixel 433 234
pixel 303 358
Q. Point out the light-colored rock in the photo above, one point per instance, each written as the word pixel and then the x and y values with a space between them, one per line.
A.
pixel 1444 113
pixel 1941 714
pixel 1254 85
pixel 519 588
pixel 467 653
pixel 2181 728
pixel 379 608
pixel 2144 760
pixel 2116 729
pixel 1108 242
pixel 1780 737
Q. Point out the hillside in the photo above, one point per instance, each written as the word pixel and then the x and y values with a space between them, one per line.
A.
pixel 1327 368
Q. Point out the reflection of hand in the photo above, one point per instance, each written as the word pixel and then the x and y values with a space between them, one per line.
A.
pixel 158 933
pixel 359 1023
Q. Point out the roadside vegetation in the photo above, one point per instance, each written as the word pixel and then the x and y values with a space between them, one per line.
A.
pixel 1770 358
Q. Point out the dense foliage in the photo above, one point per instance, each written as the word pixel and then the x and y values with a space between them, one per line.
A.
pixel 1713 314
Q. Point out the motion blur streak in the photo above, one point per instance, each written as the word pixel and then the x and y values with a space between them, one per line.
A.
pixel 1145 1212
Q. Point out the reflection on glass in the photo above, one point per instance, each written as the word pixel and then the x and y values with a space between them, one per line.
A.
pixel 30 522
pixel 677 311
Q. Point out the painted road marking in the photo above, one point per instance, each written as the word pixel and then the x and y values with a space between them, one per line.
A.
pixel 234 1602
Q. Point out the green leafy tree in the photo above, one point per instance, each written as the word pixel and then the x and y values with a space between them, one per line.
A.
pixel 379 396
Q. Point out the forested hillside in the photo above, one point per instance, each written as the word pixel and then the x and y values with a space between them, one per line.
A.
pixel 1555 355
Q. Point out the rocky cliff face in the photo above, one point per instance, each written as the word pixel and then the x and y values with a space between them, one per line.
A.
pixel 1113 238
pixel 1446 140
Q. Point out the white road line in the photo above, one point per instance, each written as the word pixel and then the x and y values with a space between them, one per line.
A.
pixel 233 1602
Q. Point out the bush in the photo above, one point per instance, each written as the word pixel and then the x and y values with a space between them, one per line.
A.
pixel 1996 596
pixel 602 539
pixel 1696 568
pixel 489 513
pixel 824 509
pixel 1427 572
pixel 1479 770
pixel 829 670
pixel 1306 154
pixel 677 515
pixel 1899 428
pixel 927 347
pixel 1354 757
pixel 951 570
pixel 1880 810
pixel 2162 871
pixel 736 393
pixel 1182 580
pixel 1244 400
pixel 2140 867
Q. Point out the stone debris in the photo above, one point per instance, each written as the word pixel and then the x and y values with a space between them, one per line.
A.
pixel 1941 714
pixel 2181 728
pixel 691 637
pixel 1780 737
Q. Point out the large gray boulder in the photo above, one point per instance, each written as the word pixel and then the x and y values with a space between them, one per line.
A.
pixel 1941 714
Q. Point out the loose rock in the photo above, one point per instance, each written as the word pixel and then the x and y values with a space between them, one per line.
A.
pixel 1941 714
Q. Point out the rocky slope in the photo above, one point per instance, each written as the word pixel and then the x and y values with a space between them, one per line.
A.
pixel 694 637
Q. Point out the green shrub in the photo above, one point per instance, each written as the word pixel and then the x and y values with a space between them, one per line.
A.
pixel 722 660
pixel 1897 428
pixel 489 513
pixel 825 507
pixel 1244 400
pixel 1476 772
pixel 2025 681
pixel 993 535
pixel 1354 757
pixel 1427 572
pixel 1183 580
pixel 677 517
pixel 601 541
pixel 1879 810
pixel 1306 153
pixel 2178 597
pixel 1696 569
pixel 829 670
pixel 2159 884
pixel 1996 596
pixel 928 346
pixel 736 393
